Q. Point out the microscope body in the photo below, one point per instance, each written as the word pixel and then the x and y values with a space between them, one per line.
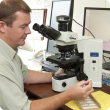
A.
pixel 80 57
pixel 84 64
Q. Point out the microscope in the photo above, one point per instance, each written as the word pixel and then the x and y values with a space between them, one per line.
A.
pixel 80 57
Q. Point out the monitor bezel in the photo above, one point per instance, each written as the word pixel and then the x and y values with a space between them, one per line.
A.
pixel 91 8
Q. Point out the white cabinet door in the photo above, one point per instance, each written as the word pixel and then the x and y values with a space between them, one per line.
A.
pixel 78 12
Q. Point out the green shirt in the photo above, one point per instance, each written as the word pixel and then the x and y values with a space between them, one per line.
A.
pixel 13 74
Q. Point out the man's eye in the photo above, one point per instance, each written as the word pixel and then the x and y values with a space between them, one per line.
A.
pixel 22 27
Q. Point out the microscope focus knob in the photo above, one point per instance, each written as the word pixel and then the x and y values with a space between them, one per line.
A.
pixel 82 76
pixel 64 84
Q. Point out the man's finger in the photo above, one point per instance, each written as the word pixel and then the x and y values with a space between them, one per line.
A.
pixel 88 86
pixel 82 83
pixel 89 92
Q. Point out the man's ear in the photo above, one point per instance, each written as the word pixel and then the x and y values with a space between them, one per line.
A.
pixel 2 26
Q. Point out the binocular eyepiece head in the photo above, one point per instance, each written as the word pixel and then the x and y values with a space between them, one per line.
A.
pixel 50 32
pixel 47 31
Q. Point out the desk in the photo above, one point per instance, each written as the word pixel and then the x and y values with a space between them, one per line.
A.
pixel 45 90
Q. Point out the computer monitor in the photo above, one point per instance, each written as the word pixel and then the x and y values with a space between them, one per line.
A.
pixel 59 7
pixel 97 20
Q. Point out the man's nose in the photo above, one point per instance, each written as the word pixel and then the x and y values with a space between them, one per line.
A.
pixel 28 31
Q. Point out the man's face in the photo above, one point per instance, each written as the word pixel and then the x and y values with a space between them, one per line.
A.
pixel 15 36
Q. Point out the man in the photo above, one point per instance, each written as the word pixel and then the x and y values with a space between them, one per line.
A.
pixel 14 28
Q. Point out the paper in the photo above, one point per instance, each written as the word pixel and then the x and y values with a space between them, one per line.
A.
pixel 102 97
pixel 39 59
pixel 106 73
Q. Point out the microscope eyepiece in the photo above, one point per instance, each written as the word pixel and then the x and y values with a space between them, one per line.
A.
pixel 36 27
pixel 47 31
pixel 43 28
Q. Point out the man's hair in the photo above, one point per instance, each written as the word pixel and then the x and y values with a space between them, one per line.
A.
pixel 8 8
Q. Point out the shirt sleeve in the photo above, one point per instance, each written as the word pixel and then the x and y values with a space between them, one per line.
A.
pixel 24 70
pixel 11 96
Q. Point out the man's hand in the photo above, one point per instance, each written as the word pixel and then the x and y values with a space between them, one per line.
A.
pixel 79 91
pixel 59 71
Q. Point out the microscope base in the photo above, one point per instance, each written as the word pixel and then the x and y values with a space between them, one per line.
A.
pixel 62 85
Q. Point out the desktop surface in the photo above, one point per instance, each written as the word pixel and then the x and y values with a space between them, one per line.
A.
pixel 45 90
pixel 41 91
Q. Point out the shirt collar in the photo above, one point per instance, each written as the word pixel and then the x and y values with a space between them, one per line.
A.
pixel 11 53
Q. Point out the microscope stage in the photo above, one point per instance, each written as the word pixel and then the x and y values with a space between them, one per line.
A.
pixel 64 63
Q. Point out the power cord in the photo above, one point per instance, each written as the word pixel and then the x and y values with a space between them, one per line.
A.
pixel 82 26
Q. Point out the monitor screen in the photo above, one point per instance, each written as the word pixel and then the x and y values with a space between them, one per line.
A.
pixel 59 7
pixel 97 20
